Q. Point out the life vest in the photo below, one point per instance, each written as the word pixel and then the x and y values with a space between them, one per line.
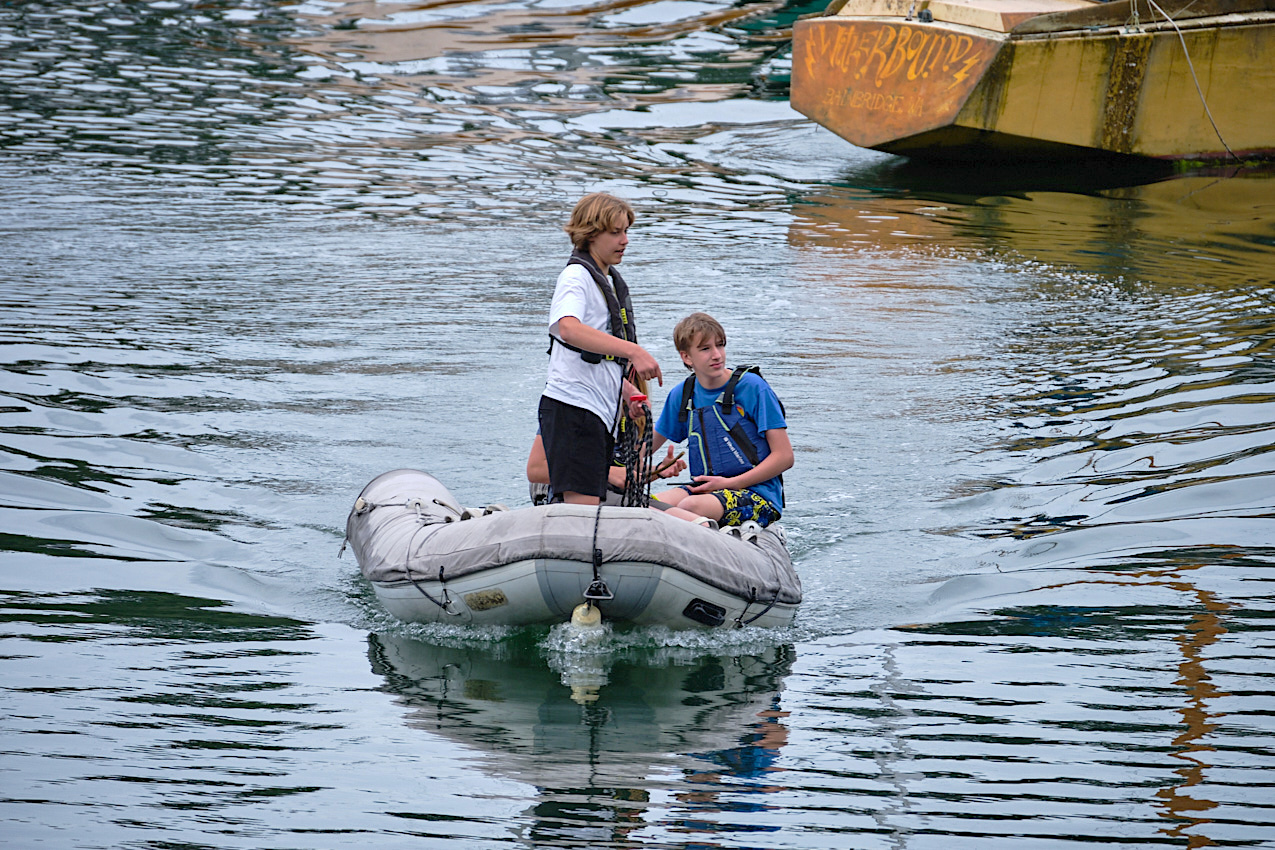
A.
pixel 721 439
pixel 619 306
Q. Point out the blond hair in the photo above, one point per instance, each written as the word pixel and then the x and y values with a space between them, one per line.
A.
pixel 697 326
pixel 594 214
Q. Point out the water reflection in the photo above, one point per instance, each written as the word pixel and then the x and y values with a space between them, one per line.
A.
pixel 1047 395
pixel 142 615
pixel 1193 747
pixel 1180 689
pixel 1133 407
pixel 541 729
pixel 389 109
pixel 708 727
pixel 1211 230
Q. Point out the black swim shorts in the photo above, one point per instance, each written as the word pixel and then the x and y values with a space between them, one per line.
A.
pixel 578 446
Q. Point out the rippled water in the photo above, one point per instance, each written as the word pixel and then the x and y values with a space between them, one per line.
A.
pixel 253 254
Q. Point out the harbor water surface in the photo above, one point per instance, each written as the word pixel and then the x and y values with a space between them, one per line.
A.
pixel 253 254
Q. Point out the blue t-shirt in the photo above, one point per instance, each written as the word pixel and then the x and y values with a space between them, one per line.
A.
pixel 760 404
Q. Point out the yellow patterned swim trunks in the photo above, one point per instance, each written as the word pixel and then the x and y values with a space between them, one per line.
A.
pixel 740 506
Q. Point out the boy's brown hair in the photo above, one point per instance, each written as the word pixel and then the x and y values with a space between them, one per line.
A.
pixel 594 214
pixel 694 327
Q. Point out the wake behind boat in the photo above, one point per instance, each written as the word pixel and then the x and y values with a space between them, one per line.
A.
pixel 429 559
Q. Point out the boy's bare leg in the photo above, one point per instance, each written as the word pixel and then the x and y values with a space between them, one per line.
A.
pixel 673 496
pixel 681 514
pixel 709 508
pixel 703 504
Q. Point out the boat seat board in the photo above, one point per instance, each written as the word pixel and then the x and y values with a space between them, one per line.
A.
pixel 1121 13
pixel 992 15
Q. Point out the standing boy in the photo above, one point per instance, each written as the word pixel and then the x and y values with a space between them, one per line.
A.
pixel 593 347
pixel 738 438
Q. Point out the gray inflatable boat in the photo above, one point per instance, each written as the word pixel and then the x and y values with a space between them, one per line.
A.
pixel 429 559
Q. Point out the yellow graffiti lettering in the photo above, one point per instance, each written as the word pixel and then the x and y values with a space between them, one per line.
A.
pixel 840 51
pixel 959 51
pixel 848 52
pixel 958 46
pixel 871 101
pixel 899 55
pixel 817 49
pixel 885 53
pixel 877 53
pixel 923 58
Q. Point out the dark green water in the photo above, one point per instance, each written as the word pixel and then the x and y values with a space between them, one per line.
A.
pixel 253 254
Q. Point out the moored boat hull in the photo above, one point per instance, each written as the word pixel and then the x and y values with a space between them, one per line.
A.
pixel 1028 80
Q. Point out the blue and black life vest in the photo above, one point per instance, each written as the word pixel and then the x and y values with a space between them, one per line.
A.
pixel 619 306
pixel 721 439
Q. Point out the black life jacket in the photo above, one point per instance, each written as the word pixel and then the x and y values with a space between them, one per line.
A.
pixel 619 306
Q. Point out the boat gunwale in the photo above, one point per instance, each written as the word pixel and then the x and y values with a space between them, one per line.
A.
pixel 965 29
pixel 1218 22
pixel 778 610
pixel 1119 14
pixel 995 17
pixel 692 574
pixel 1031 31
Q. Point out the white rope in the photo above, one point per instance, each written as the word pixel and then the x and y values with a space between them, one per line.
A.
pixel 1194 78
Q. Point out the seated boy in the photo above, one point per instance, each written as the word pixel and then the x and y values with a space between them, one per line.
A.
pixel 738 445
pixel 617 475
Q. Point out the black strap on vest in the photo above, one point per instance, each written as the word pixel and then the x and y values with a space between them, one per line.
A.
pixel 619 307
pixel 728 392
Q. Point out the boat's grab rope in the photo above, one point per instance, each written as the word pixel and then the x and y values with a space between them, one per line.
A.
pixel 424 523
pixel 362 506
pixel 740 622
pixel 1190 66
pixel 597 590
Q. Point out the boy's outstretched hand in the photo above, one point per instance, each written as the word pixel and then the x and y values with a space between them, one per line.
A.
pixel 669 466
pixel 708 484
pixel 645 365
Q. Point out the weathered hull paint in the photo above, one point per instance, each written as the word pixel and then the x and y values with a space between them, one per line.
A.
pixel 949 90
pixel 873 83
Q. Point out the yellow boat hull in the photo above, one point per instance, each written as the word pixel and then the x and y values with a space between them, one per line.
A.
pixel 1042 78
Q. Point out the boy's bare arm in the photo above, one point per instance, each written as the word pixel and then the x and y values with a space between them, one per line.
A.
pixel 780 447
pixel 575 332
pixel 537 463
pixel 671 465
pixel 657 440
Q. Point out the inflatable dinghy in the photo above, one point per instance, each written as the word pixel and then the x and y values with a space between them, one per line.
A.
pixel 430 560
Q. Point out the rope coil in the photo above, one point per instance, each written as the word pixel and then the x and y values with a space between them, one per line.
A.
pixel 635 451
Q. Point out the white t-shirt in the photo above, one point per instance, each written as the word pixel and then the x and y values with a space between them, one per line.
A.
pixel 594 387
